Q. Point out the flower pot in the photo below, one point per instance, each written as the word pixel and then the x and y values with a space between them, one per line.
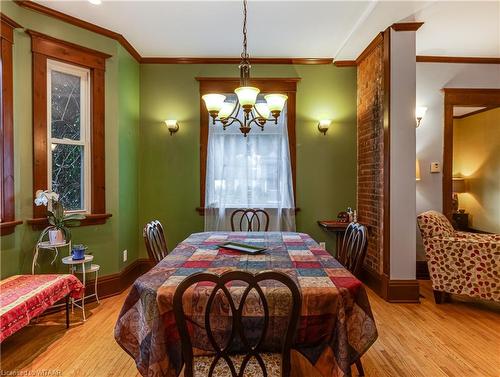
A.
pixel 56 236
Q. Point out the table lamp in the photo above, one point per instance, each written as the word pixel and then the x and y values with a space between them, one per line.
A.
pixel 458 187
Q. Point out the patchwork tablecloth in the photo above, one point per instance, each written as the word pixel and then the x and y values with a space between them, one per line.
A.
pixel 336 325
pixel 23 297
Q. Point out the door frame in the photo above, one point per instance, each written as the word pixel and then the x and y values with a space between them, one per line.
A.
pixel 459 97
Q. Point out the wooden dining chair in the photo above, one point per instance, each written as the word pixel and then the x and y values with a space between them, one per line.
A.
pixel 351 254
pixel 250 220
pixel 154 238
pixel 353 248
pixel 268 364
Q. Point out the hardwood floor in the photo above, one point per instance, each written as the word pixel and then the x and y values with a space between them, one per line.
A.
pixel 425 340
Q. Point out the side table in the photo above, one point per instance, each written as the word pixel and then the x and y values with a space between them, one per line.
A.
pixel 77 266
pixel 336 227
pixel 46 245
pixel 460 221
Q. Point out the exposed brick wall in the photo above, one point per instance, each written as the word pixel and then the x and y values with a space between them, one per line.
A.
pixel 370 140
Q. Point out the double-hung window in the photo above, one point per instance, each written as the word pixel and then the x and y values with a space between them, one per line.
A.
pixel 253 172
pixel 68 112
pixel 249 172
pixel 69 127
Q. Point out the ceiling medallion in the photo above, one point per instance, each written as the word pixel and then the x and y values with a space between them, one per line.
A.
pixel 257 113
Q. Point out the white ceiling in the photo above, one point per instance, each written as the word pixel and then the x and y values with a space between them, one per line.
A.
pixel 340 29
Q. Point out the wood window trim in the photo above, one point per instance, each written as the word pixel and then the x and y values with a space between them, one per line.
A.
pixel 44 47
pixel 285 85
pixel 8 223
pixel 459 97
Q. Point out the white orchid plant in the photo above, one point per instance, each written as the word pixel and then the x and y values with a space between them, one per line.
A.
pixel 55 213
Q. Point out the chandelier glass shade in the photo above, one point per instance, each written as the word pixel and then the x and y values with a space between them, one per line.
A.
pixel 256 113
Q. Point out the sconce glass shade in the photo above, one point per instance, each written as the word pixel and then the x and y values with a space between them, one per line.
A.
pixel 324 125
pixel 262 110
pixel 420 111
pixel 226 110
pixel 419 114
pixel 417 170
pixel 214 102
pixel 276 102
pixel 172 125
pixel 247 95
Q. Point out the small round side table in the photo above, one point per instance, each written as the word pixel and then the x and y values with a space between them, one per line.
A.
pixel 46 245
pixel 77 266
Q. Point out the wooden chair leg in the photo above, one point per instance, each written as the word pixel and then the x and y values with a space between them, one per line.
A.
pixel 359 367
pixel 67 311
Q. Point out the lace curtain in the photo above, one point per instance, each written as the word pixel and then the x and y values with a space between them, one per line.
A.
pixel 251 172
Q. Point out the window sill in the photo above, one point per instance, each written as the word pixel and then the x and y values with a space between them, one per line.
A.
pixel 91 219
pixel 201 210
pixel 8 227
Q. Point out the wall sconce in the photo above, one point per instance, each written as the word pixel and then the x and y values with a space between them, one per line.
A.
pixel 172 126
pixel 324 125
pixel 419 114
pixel 417 170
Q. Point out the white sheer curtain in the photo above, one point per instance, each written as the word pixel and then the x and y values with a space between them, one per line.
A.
pixel 249 172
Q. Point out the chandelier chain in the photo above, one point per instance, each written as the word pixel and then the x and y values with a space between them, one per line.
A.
pixel 244 54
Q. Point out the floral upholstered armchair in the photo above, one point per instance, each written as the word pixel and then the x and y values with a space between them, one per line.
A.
pixel 460 262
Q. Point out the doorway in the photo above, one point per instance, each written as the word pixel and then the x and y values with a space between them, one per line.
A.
pixel 471 159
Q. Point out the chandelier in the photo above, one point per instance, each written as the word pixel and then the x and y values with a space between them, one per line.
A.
pixel 254 112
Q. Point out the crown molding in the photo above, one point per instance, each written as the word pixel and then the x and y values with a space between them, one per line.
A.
pixel 229 60
pixel 344 63
pixel 28 4
pixel 406 26
pixel 374 43
pixel 31 5
pixel 456 59
pixel 401 26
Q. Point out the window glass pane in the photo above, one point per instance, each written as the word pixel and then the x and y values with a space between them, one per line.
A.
pixel 68 175
pixel 65 105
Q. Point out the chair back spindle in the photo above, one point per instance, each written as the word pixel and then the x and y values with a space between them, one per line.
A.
pixel 250 220
pixel 154 238
pixel 353 248
pixel 237 326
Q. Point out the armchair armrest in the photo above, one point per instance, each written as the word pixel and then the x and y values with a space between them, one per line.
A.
pixel 484 237
pixel 467 246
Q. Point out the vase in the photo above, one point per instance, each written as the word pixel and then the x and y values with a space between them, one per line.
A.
pixel 56 236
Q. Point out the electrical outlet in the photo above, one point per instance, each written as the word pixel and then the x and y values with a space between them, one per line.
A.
pixel 125 256
pixel 435 167
pixel 322 245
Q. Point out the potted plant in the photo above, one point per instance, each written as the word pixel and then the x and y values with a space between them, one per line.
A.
pixel 58 230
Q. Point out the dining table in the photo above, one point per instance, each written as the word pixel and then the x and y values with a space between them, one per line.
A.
pixel 336 325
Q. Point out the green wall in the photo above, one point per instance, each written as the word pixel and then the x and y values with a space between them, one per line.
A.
pixel 150 174
pixel 121 130
pixel 169 165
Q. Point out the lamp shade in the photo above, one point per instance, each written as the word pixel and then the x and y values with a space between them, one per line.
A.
pixel 275 102
pixel 214 102
pixel 247 95
pixel 262 110
pixel 226 110
pixel 420 112
pixel 417 170
pixel 459 185
pixel 172 125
